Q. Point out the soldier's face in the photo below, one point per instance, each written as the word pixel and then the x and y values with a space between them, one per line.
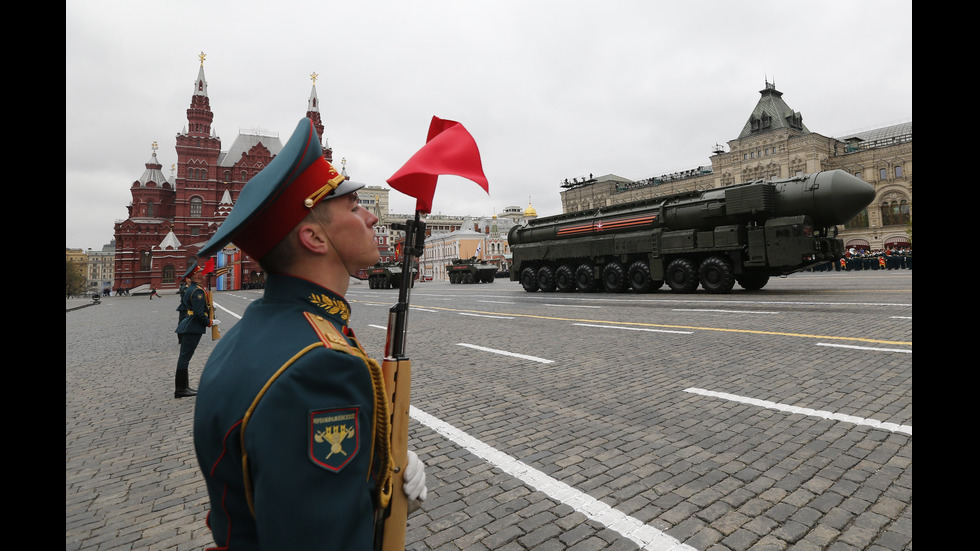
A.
pixel 351 231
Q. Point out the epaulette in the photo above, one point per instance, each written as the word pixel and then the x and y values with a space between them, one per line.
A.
pixel 331 337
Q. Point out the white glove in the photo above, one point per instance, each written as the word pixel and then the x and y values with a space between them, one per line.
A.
pixel 414 478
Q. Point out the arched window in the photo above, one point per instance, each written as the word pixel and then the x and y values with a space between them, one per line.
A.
pixel 196 206
pixel 859 221
pixel 149 208
pixel 145 260
pixel 905 212
pixel 886 214
pixel 896 214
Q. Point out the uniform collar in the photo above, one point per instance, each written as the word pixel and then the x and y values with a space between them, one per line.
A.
pixel 318 299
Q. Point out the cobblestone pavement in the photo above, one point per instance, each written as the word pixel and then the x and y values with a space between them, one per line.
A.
pixel 779 419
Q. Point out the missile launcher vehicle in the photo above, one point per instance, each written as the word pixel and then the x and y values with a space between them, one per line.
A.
pixel 712 239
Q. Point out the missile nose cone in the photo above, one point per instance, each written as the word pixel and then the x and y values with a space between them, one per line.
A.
pixel 849 195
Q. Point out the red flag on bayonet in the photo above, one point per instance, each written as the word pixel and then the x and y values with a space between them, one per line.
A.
pixel 208 267
pixel 448 149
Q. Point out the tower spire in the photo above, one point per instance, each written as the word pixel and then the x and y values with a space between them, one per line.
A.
pixel 199 115
pixel 313 113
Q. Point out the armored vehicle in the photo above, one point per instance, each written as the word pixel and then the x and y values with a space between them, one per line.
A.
pixel 470 270
pixel 388 275
pixel 743 233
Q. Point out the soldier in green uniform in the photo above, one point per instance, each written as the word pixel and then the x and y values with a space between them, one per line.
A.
pixel 194 323
pixel 291 424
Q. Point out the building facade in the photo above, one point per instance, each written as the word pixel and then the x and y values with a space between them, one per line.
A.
pixel 100 269
pixel 774 143
pixel 171 218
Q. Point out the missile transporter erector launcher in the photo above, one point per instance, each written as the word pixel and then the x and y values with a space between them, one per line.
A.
pixel 470 270
pixel 743 233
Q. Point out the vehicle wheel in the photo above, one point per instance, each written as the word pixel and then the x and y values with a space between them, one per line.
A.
pixel 546 279
pixel 467 278
pixel 382 282
pixel 716 276
pixel 614 278
pixel 372 283
pixel 529 280
pixel 682 276
pixel 752 281
pixel 565 279
pixel 639 277
pixel 585 280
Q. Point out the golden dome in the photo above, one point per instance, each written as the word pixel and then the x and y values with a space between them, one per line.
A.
pixel 529 211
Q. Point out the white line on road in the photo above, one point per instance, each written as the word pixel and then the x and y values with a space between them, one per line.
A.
pixel 907 429
pixel 646 537
pixel 234 315
pixel 505 353
pixel 571 306
pixel 906 351
pixel 485 316
pixel 634 328
pixel 719 311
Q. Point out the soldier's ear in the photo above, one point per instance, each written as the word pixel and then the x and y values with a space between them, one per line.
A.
pixel 312 238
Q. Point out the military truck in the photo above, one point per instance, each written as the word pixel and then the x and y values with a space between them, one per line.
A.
pixel 388 275
pixel 470 270
pixel 743 233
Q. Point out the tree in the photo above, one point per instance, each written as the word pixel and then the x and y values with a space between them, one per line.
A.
pixel 74 278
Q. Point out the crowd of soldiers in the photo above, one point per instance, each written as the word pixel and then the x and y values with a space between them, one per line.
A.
pixel 860 259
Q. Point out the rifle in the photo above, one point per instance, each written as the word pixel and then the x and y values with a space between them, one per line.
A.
pixel 215 332
pixel 397 370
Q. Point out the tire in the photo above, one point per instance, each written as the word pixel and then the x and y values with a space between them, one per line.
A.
pixel 565 279
pixel 529 280
pixel 546 279
pixel 383 282
pixel 639 277
pixel 716 275
pixel 614 278
pixel 682 276
pixel 372 283
pixel 468 277
pixel 585 280
pixel 752 281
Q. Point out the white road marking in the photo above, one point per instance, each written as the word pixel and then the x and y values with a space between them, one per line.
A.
pixel 719 311
pixel 906 351
pixel 634 328
pixel 646 537
pixel 505 353
pixel 485 316
pixel 234 315
pixel 906 429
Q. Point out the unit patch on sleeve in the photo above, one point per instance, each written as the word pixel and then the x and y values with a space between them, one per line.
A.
pixel 335 437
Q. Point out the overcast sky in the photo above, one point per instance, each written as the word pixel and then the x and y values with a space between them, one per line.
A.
pixel 548 89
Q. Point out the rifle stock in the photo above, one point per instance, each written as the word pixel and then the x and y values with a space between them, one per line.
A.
pixel 215 332
pixel 398 385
